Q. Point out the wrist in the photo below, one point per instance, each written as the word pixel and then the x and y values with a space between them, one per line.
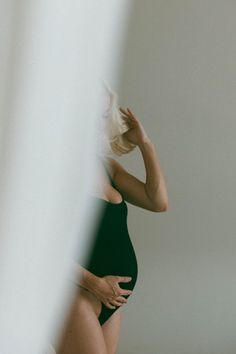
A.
pixel 89 280
pixel 145 143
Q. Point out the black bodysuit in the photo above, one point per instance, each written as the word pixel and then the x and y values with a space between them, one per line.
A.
pixel 112 252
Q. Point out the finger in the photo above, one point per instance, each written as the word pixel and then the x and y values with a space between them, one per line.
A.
pixel 107 304
pixel 124 279
pixel 123 111
pixel 117 303
pixel 113 298
pixel 129 121
pixel 127 117
pixel 134 118
pixel 126 292
pixel 127 114
pixel 121 299
pixel 131 113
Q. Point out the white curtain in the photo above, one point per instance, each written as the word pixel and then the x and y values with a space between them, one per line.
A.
pixel 53 55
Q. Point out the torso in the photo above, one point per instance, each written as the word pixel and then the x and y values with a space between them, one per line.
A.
pixel 111 251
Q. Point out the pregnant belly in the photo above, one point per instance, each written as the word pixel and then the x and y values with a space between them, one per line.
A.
pixel 117 258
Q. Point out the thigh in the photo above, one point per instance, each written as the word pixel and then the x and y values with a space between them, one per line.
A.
pixel 83 333
pixel 111 331
pixel 90 299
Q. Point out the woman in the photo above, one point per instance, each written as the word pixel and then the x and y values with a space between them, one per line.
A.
pixel 93 324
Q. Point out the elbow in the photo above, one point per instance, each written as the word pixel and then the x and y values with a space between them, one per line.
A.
pixel 165 207
pixel 160 208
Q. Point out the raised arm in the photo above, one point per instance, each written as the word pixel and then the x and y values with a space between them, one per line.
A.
pixel 151 194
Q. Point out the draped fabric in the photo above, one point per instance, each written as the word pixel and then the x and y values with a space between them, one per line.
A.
pixel 53 55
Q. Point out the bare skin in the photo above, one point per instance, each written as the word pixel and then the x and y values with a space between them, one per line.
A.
pixel 82 332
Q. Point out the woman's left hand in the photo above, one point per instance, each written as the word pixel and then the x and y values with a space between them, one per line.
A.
pixel 136 134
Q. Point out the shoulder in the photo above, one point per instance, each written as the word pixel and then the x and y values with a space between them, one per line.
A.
pixel 114 167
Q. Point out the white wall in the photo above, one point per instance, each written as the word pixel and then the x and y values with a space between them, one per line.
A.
pixel 179 76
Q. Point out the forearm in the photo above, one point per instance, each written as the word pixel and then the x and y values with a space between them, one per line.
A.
pixel 155 182
pixel 83 277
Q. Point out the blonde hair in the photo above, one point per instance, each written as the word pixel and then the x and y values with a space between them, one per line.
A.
pixel 113 126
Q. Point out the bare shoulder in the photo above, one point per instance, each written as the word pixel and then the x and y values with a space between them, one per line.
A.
pixel 115 167
pixel 132 188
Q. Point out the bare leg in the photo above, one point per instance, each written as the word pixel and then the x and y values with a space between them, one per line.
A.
pixel 83 333
pixel 111 331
